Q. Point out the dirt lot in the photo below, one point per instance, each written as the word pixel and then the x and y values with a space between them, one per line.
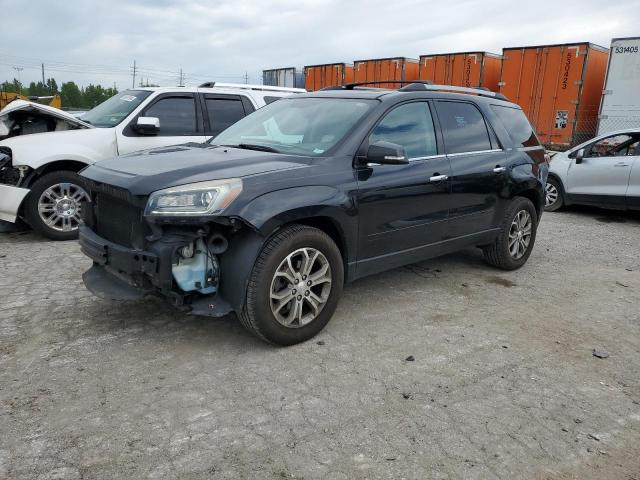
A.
pixel 502 382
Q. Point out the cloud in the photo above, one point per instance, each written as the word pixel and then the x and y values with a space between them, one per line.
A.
pixel 97 42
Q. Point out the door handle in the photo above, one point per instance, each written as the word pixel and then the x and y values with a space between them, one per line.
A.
pixel 620 164
pixel 499 169
pixel 438 178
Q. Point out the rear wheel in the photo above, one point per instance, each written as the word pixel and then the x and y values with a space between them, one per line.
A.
pixel 294 286
pixel 553 195
pixel 53 206
pixel 512 247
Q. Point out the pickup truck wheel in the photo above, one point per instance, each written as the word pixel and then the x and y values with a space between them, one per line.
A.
pixel 294 286
pixel 553 199
pixel 53 205
pixel 514 243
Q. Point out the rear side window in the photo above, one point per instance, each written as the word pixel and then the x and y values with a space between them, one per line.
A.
pixel 223 112
pixel 463 127
pixel 517 126
pixel 411 126
pixel 269 100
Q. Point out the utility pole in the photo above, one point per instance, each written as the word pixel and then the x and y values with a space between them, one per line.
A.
pixel 43 82
pixel 246 77
pixel 181 84
pixel 133 84
pixel 19 69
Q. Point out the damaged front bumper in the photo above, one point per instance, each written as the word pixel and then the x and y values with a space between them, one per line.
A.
pixel 10 200
pixel 122 273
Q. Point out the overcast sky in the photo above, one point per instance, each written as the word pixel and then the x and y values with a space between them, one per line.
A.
pixel 97 42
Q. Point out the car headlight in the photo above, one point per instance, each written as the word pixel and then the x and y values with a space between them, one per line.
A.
pixel 194 199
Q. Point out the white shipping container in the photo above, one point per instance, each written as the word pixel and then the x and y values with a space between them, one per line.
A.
pixel 620 107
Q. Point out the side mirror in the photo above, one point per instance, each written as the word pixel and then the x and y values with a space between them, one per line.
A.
pixel 579 156
pixel 386 153
pixel 147 125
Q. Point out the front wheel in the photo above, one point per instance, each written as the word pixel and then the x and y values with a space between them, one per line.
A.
pixel 514 242
pixel 53 205
pixel 553 195
pixel 294 286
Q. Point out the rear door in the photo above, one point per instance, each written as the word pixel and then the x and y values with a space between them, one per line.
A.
pixel 403 207
pixel 602 178
pixel 223 110
pixel 478 169
pixel 180 122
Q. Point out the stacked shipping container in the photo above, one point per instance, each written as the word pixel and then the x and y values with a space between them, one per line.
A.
pixel 467 69
pixel 283 77
pixel 317 77
pixel 558 87
pixel 380 69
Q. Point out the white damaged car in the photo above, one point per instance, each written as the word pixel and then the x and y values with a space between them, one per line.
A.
pixel 42 149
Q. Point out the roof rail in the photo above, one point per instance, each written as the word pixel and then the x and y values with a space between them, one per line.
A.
pixel 480 91
pixel 352 86
pixel 421 85
pixel 246 86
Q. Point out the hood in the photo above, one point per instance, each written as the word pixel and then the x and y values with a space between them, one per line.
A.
pixel 145 172
pixel 36 108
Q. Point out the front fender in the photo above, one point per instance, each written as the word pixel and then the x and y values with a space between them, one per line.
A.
pixel 268 212
pixel 85 146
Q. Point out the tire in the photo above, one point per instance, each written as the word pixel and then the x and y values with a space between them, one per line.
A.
pixel 500 253
pixel 265 316
pixel 60 206
pixel 554 197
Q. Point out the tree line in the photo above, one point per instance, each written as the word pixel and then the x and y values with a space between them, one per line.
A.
pixel 71 95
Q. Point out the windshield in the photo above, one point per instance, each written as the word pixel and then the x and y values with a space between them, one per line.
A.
pixel 303 126
pixel 111 112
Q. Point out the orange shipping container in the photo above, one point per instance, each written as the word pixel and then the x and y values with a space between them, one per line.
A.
pixel 327 75
pixel 381 69
pixel 559 87
pixel 467 69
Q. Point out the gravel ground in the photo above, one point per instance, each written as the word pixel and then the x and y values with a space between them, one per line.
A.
pixel 445 369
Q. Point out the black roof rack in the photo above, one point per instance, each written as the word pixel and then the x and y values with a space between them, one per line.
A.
pixel 352 86
pixel 425 85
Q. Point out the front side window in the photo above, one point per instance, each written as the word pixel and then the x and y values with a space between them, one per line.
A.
pixel 410 126
pixel 223 112
pixel 177 115
pixel 114 110
pixel 463 127
pixel 302 126
pixel 613 146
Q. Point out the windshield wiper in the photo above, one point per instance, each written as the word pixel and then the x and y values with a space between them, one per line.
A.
pixel 251 146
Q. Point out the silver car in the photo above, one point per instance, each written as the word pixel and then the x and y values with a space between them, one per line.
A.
pixel 604 172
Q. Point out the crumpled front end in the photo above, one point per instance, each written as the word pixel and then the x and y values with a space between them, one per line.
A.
pixel 134 258
pixel 11 191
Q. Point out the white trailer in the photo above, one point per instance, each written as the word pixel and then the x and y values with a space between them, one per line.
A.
pixel 620 107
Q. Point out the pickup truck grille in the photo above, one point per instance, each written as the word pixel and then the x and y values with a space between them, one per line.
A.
pixel 119 221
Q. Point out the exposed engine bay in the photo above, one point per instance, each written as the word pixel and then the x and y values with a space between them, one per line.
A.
pixel 29 121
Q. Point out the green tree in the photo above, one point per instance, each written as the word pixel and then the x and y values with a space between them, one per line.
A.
pixel 71 95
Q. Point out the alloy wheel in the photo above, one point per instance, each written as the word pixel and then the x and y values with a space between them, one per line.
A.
pixel 520 234
pixel 300 287
pixel 59 206
pixel 551 194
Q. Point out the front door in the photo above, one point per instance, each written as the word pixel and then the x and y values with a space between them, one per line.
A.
pixel 478 169
pixel 602 178
pixel 633 190
pixel 180 122
pixel 403 207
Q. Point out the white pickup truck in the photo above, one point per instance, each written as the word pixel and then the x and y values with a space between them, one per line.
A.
pixel 38 171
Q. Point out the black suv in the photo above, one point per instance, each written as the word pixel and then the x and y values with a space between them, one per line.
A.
pixel 272 216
